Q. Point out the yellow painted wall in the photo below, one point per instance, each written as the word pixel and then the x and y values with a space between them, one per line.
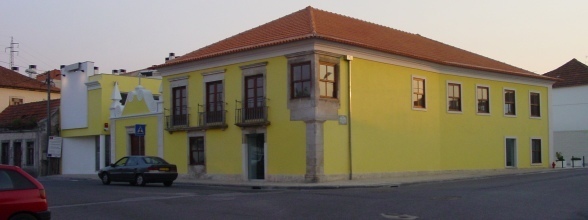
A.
pixel 26 95
pixel 122 139
pixel 389 136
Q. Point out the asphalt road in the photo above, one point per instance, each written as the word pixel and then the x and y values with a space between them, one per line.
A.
pixel 554 195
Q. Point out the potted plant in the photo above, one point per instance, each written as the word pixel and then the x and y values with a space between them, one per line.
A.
pixel 560 161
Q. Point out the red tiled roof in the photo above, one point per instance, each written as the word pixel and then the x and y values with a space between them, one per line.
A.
pixel 55 74
pixel 29 111
pixel 14 80
pixel 573 73
pixel 313 23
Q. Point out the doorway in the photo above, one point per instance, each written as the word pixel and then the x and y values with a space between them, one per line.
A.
pixel 4 153
pixel 256 156
pixel 511 152
pixel 17 154
pixel 137 145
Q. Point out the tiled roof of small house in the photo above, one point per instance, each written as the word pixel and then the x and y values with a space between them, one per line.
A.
pixel 14 80
pixel 31 112
pixel 318 24
pixel 55 74
pixel 573 73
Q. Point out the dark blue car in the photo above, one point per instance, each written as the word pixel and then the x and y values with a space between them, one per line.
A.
pixel 139 170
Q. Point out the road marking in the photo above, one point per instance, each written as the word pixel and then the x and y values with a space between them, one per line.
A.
pixel 399 216
pixel 152 198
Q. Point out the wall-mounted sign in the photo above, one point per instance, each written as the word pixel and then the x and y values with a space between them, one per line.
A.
pixel 54 149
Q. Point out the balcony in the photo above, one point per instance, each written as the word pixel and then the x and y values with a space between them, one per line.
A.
pixel 252 115
pixel 211 118
pixel 177 122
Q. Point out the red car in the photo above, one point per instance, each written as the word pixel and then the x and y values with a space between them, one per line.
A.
pixel 21 195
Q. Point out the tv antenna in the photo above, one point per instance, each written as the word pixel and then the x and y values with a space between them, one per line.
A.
pixel 12 51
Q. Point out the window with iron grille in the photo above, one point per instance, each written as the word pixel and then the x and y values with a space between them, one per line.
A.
pixel 214 101
pixel 197 151
pixel 535 104
pixel 536 150
pixel 179 108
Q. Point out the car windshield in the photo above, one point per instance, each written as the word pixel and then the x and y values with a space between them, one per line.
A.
pixel 154 160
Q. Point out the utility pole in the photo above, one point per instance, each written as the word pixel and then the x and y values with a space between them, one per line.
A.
pixel 12 51
pixel 48 81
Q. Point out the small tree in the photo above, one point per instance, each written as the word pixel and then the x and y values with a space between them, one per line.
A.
pixel 559 156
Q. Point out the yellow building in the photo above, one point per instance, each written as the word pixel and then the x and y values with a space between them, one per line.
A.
pixel 86 112
pixel 316 96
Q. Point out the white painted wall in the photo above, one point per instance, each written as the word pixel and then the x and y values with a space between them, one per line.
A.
pixel 570 108
pixel 74 95
pixel 79 155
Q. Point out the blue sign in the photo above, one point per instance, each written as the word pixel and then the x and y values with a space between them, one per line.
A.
pixel 139 130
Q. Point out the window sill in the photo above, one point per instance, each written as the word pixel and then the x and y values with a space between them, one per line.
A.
pixel 454 112
pixel 536 164
pixel 483 114
pixel 534 117
pixel 510 116
pixel 419 109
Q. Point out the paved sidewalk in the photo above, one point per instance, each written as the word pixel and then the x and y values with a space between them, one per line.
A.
pixel 395 181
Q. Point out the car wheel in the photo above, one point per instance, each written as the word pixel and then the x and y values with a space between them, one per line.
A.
pixel 105 179
pixel 168 183
pixel 139 180
pixel 23 216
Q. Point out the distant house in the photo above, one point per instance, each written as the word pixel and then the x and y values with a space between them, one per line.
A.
pixel 569 107
pixel 55 77
pixel 16 89
pixel 316 96
pixel 23 136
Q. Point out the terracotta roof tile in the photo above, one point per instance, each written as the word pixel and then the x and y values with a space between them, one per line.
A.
pixel 14 80
pixel 313 23
pixel 573 73
pixel 34 111
pixel 55 74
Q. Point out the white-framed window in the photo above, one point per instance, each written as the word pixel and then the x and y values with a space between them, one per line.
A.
pixel 536 151
pixel 454 97
pixel 419 92
pixel 509 98
pixel 534 104
pixel 482 99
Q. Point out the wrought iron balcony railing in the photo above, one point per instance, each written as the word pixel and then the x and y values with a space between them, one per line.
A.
pixel 177 121
pixel 214 116
pixel 253 113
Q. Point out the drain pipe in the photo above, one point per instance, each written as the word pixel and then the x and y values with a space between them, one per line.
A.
pixel 349 58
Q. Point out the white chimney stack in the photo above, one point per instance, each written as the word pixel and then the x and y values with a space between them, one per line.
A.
pixel 170 57
pixel 32 69
pixel 96 71
pixel 114 72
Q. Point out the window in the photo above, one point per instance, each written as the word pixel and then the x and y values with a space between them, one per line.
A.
pixel 418 93
pixel 301 80
pixel 30 153
pixel 454 97
pixel 535 104
pixel 482 94
pixel 179 108
pixel 536 150
pixel 214 101
pixel 509 102
pixel 15 101
pixel 255 98
pixel 197 151
pixel 328 81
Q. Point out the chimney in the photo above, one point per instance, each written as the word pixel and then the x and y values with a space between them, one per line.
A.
pixel 15 68
pixel 61 67
pixel 170 57
pixel 96 71
pixel 32 69
pixel 122 71
pixel 114 72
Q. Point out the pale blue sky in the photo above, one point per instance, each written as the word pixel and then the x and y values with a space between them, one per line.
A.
pixel 537 35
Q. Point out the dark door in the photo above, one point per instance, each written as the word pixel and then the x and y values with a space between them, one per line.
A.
pixel 214 102
pixel 137 145
pixel 17 154
pixel 180 110
pixel 256 156
pixel 511 155
pixel 254 94
pixel 4 158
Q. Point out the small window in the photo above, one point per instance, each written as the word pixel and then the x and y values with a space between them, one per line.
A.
pixel 328 80
pixel 509 102
pixel 418 93
pixel 16 101
pixel 536 150
pixel 454 97
pixel 123 98
pixel 482 94
pixel 301 80
pixel 535 104
pixel 197 151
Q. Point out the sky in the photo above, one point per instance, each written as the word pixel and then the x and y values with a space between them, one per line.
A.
pixel 536 35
